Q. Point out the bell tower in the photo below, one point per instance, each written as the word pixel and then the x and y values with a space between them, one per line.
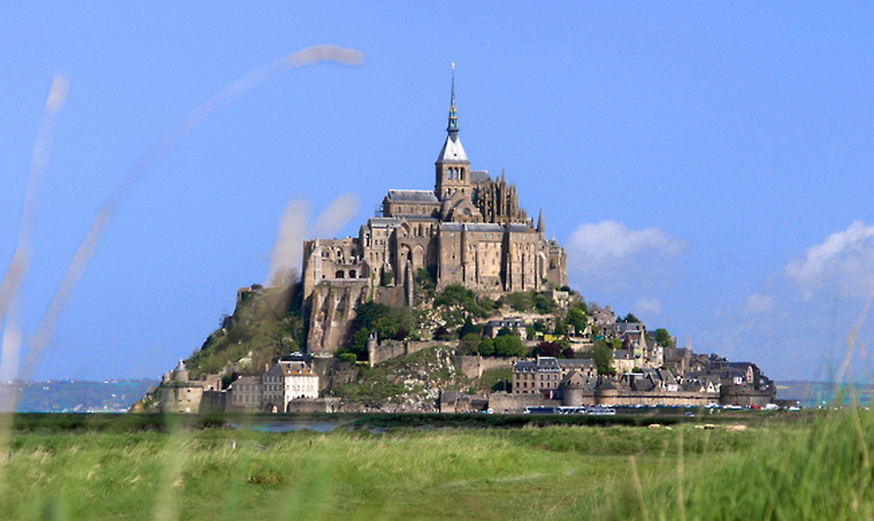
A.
pixel 452 165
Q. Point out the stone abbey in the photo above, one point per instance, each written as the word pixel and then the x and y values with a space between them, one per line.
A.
pixel 468 230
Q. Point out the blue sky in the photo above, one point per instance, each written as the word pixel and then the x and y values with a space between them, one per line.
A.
pixel 708 166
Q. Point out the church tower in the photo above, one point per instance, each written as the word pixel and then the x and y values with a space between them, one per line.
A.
pixel 452 166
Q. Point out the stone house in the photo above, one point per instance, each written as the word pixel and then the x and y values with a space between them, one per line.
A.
pixel 287 381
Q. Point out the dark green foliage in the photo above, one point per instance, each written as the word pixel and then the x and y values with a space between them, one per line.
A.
pixel 441 333
pixel 387 321
pixel 577 317
pixel 486 346
pixel 425 284
pixel 663 337
pixel 347 357
pixel 543 303
pixel 267 322
pixel 469 327
pixel 530 301
pixel 357 347
pixel 603 357
pixel 470 344
pixel 510 345
pixel 560 327
pixel 518 301
pixel 456 295
pixel 629 318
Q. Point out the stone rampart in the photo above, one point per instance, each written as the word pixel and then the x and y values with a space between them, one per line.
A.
pixel 474 366
pixel 312 405
pixel 388 349
pixel 506 403
pixel 614 397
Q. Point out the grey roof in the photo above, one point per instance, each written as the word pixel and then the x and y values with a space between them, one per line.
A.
pixel 382 222
pixel 577 362
pixel 412 196
pixel 483 227
pixel 520 228
pixel 452 151
pixel 419 218
pixel 480 177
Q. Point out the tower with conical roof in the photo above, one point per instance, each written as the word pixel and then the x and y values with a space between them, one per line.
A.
pixel 452 165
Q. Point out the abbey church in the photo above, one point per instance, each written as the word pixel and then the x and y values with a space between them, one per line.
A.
pixel 468 230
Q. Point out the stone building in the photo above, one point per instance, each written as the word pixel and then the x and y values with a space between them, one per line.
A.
pixel 287 381
pixel 469 230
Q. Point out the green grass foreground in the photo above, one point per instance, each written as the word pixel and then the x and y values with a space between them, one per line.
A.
pixel 774 470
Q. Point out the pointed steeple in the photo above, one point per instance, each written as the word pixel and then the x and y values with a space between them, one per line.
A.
pixel 452 127
pixel 453 166
pixel 541 223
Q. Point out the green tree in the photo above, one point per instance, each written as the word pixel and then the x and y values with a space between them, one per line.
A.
pixel 630 318
pixel 470 343
pixel 510 345
pixel 577 318
pixel 603 357
pixel 486 346
pixel 663 337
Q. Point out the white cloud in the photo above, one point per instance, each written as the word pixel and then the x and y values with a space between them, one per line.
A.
pixel 844 260
pixel 648 306
pixel 757 304
pixel 613 240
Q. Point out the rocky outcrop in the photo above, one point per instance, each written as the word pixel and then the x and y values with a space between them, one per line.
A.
pixel 331 312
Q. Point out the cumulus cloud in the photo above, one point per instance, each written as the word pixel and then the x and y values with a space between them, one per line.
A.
pixel 648 306
pixel 845 260
pixel 614 240
pixel 757 304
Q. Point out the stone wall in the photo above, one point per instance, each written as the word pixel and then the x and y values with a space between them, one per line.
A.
pixel 389 349
pixel 502 402
pixel 736 395
pixel 614 397
pixel 474 366
pixel 312 405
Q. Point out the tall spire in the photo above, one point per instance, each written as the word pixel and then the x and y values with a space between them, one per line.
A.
pixel 452 128
pixel 541 223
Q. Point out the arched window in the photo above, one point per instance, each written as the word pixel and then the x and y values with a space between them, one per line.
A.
pixel 352 274
pixel 339 274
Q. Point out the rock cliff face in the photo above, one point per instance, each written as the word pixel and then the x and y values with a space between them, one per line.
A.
pixel 331 314
pixel 332 310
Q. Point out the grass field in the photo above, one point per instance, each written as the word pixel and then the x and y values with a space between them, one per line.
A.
pixel 773 470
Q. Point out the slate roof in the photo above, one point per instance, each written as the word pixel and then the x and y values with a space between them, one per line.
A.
pixel 412 196
pixel 383 222
pixel 480 177
pixel 520 228
pixel 452 151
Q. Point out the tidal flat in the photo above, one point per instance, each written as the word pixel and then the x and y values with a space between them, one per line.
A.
pixel 812 467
